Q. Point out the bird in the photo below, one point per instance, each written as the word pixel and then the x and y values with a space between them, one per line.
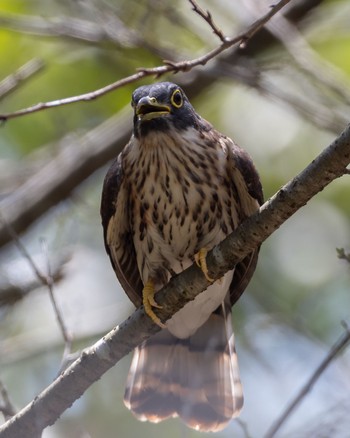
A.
pixel 176 190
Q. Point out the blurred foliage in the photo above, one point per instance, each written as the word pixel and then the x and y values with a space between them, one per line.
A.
pixel 292 310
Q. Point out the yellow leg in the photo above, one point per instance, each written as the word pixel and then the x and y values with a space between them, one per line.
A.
pixel 149 302
pixel 201 261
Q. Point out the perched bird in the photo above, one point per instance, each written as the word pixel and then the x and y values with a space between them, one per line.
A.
pixel 178 188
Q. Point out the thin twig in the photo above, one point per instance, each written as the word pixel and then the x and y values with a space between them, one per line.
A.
pixel 168 67
pixel 244 428
pixel 50 284
pixel 46 280
pixel 22 249
pixel 6 407
pixel 336 349
pixel 13 81
pixel 209 19
pixel 13 288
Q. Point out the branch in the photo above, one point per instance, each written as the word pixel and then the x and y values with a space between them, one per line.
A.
pixel 106 28
pixel 13 288
pixel 96 360
pixel 209 19
pixel 168 67
pixel 55 180
pixel 320 70
pixel 13 81
pixel 45 280
pixel 6 407
pixel 316 111
pixel 67 336
pixel 342 254
pixel 336 349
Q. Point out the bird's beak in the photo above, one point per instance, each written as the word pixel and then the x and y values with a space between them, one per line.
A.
pixel 148 108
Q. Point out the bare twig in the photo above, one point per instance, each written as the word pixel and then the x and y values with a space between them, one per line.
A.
pixel 336 349
pixel 168 67
pixel 209 19
pixel 13 81
pixel 6 407
pixel 96 360
pixel 14 289
pixel 67 336
pixel 23 250
pixel 46 280
pixel 244 428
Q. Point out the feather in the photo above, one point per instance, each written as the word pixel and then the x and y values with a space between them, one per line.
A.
pixel 196 378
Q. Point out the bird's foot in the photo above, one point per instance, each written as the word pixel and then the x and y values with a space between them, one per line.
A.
pixel 201 261
pixel 149 302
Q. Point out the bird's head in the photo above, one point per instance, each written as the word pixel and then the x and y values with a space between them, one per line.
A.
pixel 161 107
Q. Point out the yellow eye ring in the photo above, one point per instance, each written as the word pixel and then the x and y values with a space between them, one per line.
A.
pixel 176 99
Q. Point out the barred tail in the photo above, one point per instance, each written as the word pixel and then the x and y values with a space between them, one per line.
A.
pixel 196 379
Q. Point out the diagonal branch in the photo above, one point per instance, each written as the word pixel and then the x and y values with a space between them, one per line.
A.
pixel 336 349
pixel 56 179
pixel 19 77
pixel 45 409
pixel 168 67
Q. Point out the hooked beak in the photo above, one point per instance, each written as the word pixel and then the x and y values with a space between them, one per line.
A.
pixel 148 108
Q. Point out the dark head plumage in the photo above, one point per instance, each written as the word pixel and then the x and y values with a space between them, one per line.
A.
pixel 161 107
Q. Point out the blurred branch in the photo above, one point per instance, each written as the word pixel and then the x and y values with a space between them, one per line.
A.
pixel 14 290
pixel 96 360
pixel 67 336
pixel 6 407
pixel 106 28
pixel 316 112
pixel 68 27
pixel 335 350
pixel 19 77
pixel 61 174
pixel 321 70
pixel 46 280
pixel 343 255
pixel 305 57
pixel 168 67
pixel 25 254
pixel 244 428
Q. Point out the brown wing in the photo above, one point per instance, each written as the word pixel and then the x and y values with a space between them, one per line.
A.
pixel 247 186
pixel 117 235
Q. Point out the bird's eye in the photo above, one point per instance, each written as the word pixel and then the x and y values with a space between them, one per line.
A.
pixel 176 98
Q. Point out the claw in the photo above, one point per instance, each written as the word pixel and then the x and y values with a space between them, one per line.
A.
pixel 149 302
pixel 201 261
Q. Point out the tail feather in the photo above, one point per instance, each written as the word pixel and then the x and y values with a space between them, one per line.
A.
pixel 196 379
